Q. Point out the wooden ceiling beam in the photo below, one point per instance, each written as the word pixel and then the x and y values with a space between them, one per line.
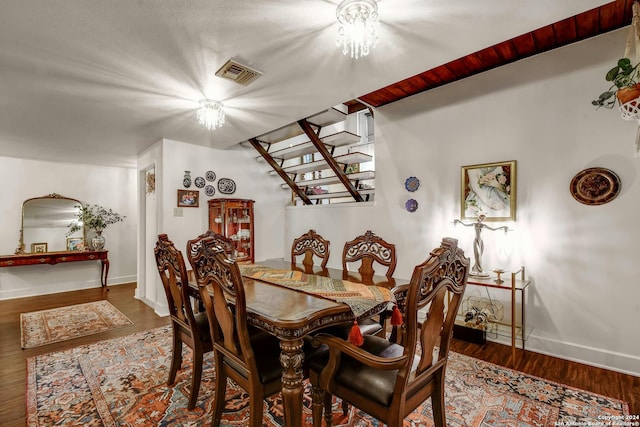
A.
pixel 608 17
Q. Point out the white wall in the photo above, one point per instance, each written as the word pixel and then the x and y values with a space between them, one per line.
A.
pixel 172 158
pixel 110 187
pixel 584 302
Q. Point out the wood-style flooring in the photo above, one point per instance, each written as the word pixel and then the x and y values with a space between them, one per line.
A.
pixel 13 366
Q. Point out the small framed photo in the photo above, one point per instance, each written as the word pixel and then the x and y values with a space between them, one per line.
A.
pixel 75 244
pixel 489 189
pixel 188 198
pixel 38 248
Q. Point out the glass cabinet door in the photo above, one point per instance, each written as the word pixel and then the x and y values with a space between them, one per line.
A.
pixel 233 218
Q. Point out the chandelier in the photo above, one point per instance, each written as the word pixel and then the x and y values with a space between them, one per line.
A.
pixel 358 21
pixel 211 114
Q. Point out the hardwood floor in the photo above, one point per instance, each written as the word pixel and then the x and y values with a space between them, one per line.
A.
pixel 13 358
pixel 13 366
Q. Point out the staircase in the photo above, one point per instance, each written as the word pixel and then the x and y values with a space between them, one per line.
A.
pixel 323 158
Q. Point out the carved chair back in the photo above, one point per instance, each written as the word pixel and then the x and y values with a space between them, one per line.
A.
pixel 401 377
pixel 222 292
pixel 188 327
pixel 310 244
pixel 220 285
pixel 222 241
pixel 369 248
pixel 173 273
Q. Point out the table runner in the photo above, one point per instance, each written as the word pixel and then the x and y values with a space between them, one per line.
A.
pixel 359 297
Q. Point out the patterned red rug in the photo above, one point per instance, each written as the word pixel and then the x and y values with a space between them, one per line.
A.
pixel 122 382
pixel 60 324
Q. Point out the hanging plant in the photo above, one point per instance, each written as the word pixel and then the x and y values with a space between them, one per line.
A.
pixel 625 77
pixel 624 88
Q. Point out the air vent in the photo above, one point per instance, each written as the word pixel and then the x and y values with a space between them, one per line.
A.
pixel 239 73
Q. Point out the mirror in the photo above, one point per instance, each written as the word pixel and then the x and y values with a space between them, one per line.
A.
pixel 45 223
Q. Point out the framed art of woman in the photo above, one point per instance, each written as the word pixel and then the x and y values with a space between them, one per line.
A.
pixel 489 189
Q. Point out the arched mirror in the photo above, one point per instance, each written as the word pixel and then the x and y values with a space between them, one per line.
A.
pixel 45 224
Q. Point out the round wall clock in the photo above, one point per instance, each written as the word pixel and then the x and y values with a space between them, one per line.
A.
pixel 595 186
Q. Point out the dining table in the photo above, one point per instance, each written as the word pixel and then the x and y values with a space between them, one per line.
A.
pixel 292 314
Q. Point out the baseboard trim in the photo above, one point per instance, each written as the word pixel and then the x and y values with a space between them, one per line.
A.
pixel 614 361
pixel 56 288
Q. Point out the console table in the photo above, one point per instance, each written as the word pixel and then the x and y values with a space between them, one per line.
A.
pixel 517 283
pixel 53 258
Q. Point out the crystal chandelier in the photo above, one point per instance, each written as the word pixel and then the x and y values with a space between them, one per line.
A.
pixel 211 114
pixel 358 21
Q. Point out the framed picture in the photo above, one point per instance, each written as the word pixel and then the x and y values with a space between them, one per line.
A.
pixel 352 168
pixel 489 189
pixel 188 198
pixel 75 244
pixel 38 248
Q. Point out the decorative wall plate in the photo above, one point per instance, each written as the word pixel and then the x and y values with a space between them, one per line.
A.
pixel 199 182
pixel 411 205
pixel 186 181
pixel 209 190
pixel 226 186
pixel 210 175
pixel 595 186
pixel 412 183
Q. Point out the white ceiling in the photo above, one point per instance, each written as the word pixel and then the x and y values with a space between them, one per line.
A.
pixel 98 81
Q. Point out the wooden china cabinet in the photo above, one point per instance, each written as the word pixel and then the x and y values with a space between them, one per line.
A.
pixel 233 218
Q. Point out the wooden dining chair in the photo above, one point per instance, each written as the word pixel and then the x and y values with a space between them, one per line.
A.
pixel 222 241
pixel 388 380
pixel 234 343
pixel 368 249
pixel 188 327
pixel 310 244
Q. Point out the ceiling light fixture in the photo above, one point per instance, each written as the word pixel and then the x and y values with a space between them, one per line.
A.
pixel 211 113
pixel 358 23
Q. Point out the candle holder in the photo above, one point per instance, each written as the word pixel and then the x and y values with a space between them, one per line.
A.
pixel 498 272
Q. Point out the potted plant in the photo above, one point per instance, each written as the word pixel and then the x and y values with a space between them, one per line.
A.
pixel 97 218
pixel 624 78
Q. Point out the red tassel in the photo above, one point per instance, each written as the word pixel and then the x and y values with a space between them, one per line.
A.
pixel 355 336
pixel 396 316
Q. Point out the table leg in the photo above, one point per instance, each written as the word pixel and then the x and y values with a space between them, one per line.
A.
pixel 513 321
pixel 104 272
pixel 291 358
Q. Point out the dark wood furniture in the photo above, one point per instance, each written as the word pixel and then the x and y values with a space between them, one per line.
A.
pixel 290 316
pixel 222 291
pixel 367 249
pixel 233 219
pixel 310 244
pixel 188 327
pixel 381 377
pixel 223 242
pixel 54 258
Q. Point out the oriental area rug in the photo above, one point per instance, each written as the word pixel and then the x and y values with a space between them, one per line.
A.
pixel 60 324
pixel 122 382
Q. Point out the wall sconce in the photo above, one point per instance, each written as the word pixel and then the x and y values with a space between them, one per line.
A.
pixel 478 245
